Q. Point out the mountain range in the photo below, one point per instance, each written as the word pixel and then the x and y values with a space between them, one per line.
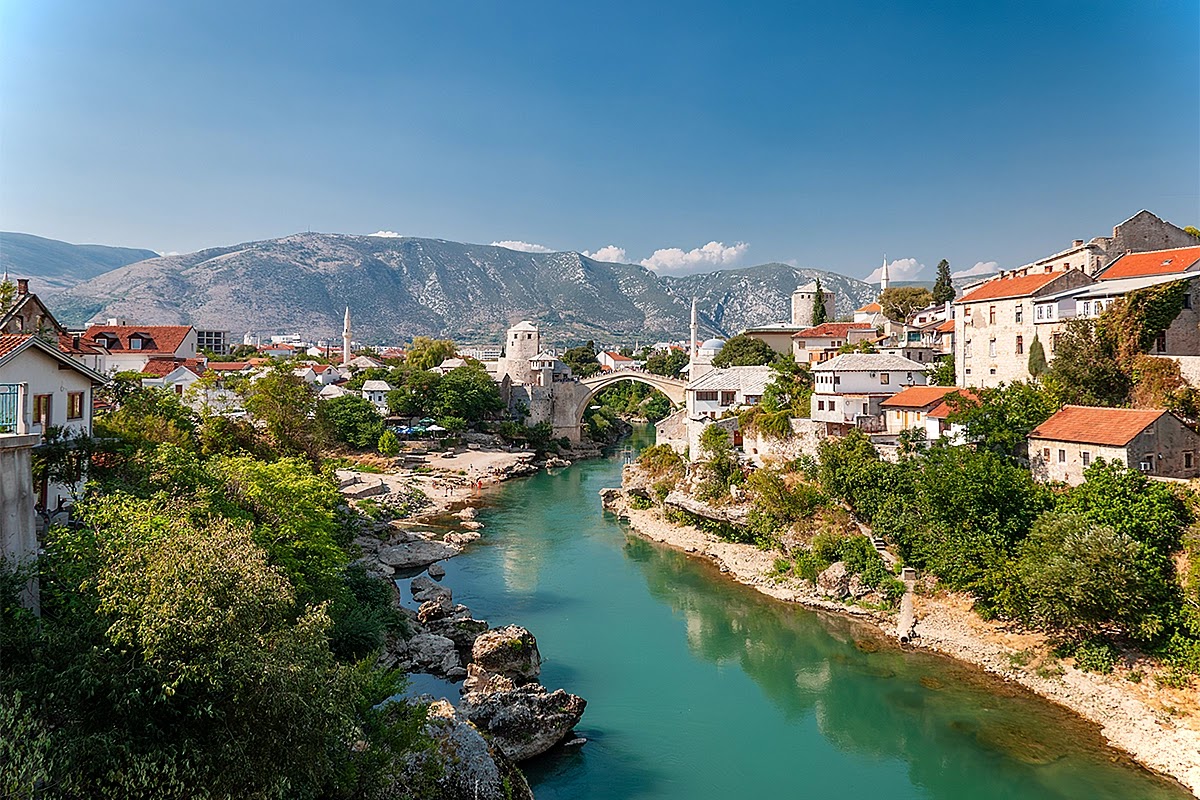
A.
pixel 399 287
pixel 51 265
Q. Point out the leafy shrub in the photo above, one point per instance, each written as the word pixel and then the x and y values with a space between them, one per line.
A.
pixel 1095 656
pixel 809 565
pixel 640 502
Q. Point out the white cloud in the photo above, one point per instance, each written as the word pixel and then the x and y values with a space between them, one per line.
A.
pixel 980 268
pixel 902 269
pixel 524 247
pixel 713 254
pixel 386 234
pixel 610 252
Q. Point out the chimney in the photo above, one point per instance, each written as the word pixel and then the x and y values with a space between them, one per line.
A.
pixel 1077 243
pixel 75 342
pixel 22 286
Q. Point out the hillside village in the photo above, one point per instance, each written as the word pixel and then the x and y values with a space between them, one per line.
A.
pixel 1079 362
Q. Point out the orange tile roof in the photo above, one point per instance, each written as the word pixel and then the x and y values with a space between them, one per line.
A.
pixel 10 342
pixel 1115 427
pixel 945 327
pixel 160 367
pixel 870 308
pixel 918 396
pixel 832 329
pixel 228 366
pixel 999 288
pixel 1156 262
pixel 163 338
pixel 943 410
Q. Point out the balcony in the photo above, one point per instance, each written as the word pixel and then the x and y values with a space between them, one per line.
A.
pixel 12 420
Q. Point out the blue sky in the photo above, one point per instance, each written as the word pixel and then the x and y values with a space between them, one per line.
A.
pixel 822 134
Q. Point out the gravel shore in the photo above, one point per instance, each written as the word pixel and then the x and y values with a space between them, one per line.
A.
pixel 1157 727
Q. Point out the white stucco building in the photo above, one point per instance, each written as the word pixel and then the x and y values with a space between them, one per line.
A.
pixel 848 390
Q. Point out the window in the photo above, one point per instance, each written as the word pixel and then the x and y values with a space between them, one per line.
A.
pixel 1054 342
pixel 41 409
pixel 1040 309
pixel 910 377
pixel 992 371
pixel 1087 458
pixel 1189 459
pixel 967 349
pixel 75 405
pixel 1046 453
pixel 1020 313
pixel 1187 300
pixel 1020 345
pixel 1062 456
pixel 991 315
pixel 967 311
pixel 968 370
pixel 706 397
pixel 885 378
pixel 1087 308
pixel 837 380
pixel 992 348
pixel 866 407
pixel 727 398
pixel 820 405
pixel 1160 344
pixel 135 343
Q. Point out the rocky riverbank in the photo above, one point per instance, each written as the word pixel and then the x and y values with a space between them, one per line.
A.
pixel 1153 725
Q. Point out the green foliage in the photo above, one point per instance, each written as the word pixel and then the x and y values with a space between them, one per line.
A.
pixel 467 392
pixel 8 296
pixel 669 363
pixel 1084 370
pixel 1193 230
pixel 719 465
pixel 744 351
pixel 899 302
pixel 1000 418
pixel 148 415
pixel 425 353
pixel 1131 504
pixel 1095 656
pixel 1037 364
pixel 582 360
pixel 634 399
pixel 857 347
pixel 1132 323
pixel 285 407
pixel 351 419
pixel 943 287
pixel 640 502
pixel 790 388
pixel 388 444
pixel 819 314
pixel 809 565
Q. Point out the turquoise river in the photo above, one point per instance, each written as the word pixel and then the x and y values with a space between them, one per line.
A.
pixel 698 687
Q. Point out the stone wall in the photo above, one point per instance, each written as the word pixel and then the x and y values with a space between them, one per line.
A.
pixel 18 531
pixel 1144 231
pixel 805 438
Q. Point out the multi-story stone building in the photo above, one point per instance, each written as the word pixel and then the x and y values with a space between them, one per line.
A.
pixel 848 390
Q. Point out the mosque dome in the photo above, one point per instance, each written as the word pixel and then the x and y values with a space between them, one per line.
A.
pixel 713 344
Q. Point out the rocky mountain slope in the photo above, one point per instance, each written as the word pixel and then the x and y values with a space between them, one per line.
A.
pixel 402 287
pixel 50 264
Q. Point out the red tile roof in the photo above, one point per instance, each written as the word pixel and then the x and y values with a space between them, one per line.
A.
pixel 1156 262
pixel 321 369
pixel 160 367
pixel 918 396
pixel 10 342
pixel 1115 427
pixel 943 410
pixel 164 339
pixel 999 288
pixel 228 366
pixel 945 327
pixel 870 308
pixel 832 330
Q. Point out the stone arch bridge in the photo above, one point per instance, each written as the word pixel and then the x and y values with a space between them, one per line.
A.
pixel 571 399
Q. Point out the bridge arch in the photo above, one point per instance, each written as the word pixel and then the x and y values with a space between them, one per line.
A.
pixel 671 387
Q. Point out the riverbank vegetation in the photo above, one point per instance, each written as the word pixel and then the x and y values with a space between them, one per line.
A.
pixel 203 630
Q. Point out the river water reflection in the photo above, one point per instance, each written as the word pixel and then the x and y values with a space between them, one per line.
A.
pixel 702 688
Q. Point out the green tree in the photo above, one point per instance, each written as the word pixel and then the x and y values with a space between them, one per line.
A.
pixel 416 392
pixel 467 392
pixel 582 360
pixel 285 406
pixel 1037 358
pixel 426 353
pixel 941 372
pixel 8 295
pixel 389 444
pixel 1087 578
pixel 350 419
pixel 744 351
pixel 1085 370
pixel 669 363
pixel 1000 418
pixel 720 464
pixel 1193 230
pixel 1127 501
pixel 819 314
pixel 899 302
pixel 943 287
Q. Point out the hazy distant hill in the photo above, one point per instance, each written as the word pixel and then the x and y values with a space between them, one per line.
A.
pixel 50 264
pixel 402 287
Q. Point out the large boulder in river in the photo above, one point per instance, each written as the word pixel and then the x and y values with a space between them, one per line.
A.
pixel 412 555
pixel 510 651
pixel 835 581
pixel 424 589
pixel 470 767
pixel 432 653
pixel 524 721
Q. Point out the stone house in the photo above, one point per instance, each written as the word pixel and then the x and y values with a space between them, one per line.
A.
pixel 821 343
pixel 376 392
pixel 725 390
pixel 804 300
pixel 1153 441
pixel 849 389
pixel 910 409
pixel 612 361
pixel 994 324
pixel 777 336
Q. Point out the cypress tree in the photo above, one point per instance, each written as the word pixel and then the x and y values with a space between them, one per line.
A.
pixel 1037 358
pixel 943 289
pixel 819 315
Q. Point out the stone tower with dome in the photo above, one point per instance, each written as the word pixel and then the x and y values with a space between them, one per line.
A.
pixel 802 304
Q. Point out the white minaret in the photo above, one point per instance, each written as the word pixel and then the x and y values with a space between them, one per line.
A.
pixel 695 331
pixel 346 338
pixel 883 277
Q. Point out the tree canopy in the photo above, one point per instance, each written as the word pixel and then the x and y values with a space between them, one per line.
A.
pixel 819 314
pixel 744 351
pixel 669 363
pixel 899 302
pixel 943 287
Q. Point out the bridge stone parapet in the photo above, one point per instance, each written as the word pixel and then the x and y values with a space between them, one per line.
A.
pixel 572 398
